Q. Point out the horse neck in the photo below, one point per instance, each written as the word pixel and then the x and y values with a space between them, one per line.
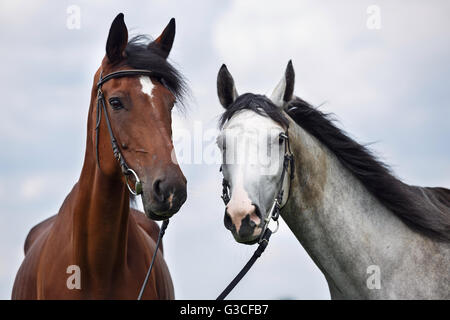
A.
pixel 339 223
pixel 101 210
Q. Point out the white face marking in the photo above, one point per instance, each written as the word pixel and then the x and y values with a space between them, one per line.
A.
pixel 147 85
pixel 170 199
pixel 252 162
pixel 240 204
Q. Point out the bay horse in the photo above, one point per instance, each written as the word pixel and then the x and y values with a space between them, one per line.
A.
pixel 371 235
pixel 97 247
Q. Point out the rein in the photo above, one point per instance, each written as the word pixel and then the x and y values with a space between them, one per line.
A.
pixel 274 214
pixel 126 170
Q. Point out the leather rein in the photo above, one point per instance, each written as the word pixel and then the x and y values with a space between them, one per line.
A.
pixel 274 214
pixel 126 170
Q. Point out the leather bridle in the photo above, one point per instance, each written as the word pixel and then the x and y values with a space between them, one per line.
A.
pixel 126 170
pixel 274 213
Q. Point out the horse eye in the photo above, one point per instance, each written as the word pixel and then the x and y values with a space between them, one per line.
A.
pixel 115 103
pixel 280 140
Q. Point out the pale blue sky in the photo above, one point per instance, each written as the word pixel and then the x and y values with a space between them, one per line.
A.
pixel 388 85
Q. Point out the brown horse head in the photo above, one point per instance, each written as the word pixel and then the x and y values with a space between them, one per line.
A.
pixel 139 109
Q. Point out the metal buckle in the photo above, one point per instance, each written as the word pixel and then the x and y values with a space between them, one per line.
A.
pixel 284 135
pixel 137 185
pixel 270 217
pixel 266 226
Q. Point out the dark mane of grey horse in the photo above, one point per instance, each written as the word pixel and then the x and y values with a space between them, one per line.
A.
pixel 140 55
pixel 257 103
pixel 424 209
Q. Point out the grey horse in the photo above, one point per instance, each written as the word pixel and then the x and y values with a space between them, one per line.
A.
pixel 371 235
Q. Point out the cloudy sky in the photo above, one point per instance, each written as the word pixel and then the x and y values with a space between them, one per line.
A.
pixel 387 85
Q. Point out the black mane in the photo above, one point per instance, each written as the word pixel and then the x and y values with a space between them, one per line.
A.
pixel 140 55
pixel 257 103
pixel 424 209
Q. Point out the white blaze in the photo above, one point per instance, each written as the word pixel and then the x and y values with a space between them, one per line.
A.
pixel 147 85
pixel 252 162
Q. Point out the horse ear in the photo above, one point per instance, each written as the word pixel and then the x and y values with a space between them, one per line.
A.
pixel 165 41
pixel 284 91
pixel 117 40
pixel 225 87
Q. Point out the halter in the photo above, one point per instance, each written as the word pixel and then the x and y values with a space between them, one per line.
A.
pixel 126 170
pixel 274 214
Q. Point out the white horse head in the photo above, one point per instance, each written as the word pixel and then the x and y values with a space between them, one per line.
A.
pixel 253 153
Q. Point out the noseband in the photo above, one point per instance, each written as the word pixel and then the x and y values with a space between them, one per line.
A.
pixel 274 214
pixel 126 170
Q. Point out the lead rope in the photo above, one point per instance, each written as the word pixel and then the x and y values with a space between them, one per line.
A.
pixel 262 246
pixel 160 236
pixel 274 214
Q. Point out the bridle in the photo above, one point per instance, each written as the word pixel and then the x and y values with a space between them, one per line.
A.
pixel 274 213
pixel 126 170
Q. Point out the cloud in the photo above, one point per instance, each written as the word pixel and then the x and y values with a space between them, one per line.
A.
pixel 390 76
pixel 35 186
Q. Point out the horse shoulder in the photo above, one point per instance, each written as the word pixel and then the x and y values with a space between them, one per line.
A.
pixel 150 227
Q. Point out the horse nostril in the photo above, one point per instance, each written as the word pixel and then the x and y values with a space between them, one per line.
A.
pixel 257 212
pixel 247 227
pixel 158 192
pixel 227 221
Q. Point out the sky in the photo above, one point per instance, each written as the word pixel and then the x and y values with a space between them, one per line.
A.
pixel 381 67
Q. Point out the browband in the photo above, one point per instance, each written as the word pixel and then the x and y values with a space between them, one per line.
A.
pixel 126 73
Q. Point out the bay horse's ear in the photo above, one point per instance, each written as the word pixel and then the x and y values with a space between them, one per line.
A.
pixel 117 40
pixel 284 91
pixel 165 41
pixel 226 89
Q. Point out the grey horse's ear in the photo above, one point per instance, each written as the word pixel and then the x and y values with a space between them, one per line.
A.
pixel 284 91
pixel 117 40
pixel 226 89
pixel 165 41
